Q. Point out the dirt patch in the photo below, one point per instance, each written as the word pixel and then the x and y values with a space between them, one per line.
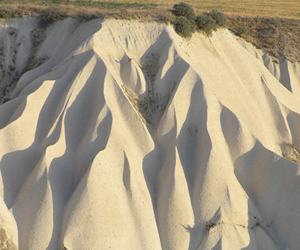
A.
pixel 278 36
pixel 8 72
pixel 289 152
pixel 8 56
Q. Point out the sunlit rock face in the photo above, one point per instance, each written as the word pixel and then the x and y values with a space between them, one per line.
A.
pixel 122 135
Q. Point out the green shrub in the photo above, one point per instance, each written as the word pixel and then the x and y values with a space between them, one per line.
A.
pixel 49 16
pixel 206 23
pixel 6 14
pixel 183 27
pixel 193 25
pixel 184 9
pixel 219 17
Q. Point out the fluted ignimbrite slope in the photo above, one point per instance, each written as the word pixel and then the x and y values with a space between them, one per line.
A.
pixel 129 137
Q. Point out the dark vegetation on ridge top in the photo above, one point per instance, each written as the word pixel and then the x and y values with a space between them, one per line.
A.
pixel 276 35
pixel 187 22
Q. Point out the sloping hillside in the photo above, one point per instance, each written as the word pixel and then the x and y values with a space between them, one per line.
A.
pixel 123 135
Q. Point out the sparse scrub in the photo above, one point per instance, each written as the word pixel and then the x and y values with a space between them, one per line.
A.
pixel 184 9
pixel 184 27
pixel 256 8
pixel 211 21
pixel 206 23
pixel 166 19
pixel 210 225
pixel 219 17
pixel 50 15
pixel 6 13
pixel 242 30
pixel 278 36
pixel 114 5
pixel 289 152
pixel 123 13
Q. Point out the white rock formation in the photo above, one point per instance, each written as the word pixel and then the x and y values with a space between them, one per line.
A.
pixel 129 137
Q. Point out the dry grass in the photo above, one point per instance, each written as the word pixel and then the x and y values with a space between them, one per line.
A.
pixel 266 8
pixel 278 36
pixel 253 8
pixel 289 152
pixel 19 10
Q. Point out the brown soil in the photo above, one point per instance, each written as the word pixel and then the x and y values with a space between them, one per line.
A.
pixel 278 36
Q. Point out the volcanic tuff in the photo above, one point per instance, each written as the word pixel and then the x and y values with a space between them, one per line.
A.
pixel 123 135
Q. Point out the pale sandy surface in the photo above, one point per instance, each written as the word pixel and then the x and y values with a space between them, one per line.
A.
pixel 129 137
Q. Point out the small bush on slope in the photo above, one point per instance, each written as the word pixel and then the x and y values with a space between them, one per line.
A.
pixel 183 26
pixel 206 23
pixel 48 16
pixel 219 17
pixel 6 14
pixel 184 9
pixel 242 30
